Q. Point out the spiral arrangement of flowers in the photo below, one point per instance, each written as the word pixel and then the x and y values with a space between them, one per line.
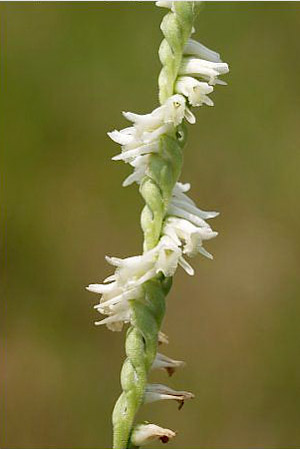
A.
pixel 174 227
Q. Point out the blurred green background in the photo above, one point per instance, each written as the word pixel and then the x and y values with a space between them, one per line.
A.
pixel 68 70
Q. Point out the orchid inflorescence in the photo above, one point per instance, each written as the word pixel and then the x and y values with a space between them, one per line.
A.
pixel 174 227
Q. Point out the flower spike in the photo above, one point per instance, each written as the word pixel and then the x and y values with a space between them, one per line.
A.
pixel 174 227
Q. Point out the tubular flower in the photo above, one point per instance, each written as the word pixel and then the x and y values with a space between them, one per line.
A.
pixel 130 274
pixel 173 112
pixel 202 68
pixel 146 433
pixel 163 362
pixel 142 139
pixel 182 201
pixel 192 236
pixel 158 392
pixel 194 90
pixel 173 225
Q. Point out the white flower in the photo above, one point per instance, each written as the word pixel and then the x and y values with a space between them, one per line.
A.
pixel 170 257
pixel 142 139
pixel 205 69
pixel 118 315
pixel 140 165
pixel 130 274
pixel 131 137
pixel 196 91
pixel 176 110
pixel 158 392
pixel 186 223
pixel 181 230
pixel 114 301
pixel 124 137
pixel 183 206
pixel 163 362
pixel 153 136
pixel 194 48
pixel 134 270
pixel 123 286
pixel 165 4
pixel 184 231
pixel 172 111
pixel 108 306
pixel 146 433
pixel 131 154
pixel 141 145
pixel 162 338
pixel 189 116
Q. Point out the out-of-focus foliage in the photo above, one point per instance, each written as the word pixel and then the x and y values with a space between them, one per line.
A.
pixel 68 69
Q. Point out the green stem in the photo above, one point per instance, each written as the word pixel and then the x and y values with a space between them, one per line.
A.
pixel 156 189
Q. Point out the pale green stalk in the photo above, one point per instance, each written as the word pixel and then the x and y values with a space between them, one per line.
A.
pixel 156 189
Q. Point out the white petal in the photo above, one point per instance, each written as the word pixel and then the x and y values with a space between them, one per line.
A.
pixel 186 266
pixel 146 121
pixel 164 4
pixel 110 278
pixel 182 187
pixel 168 256
pixel 101 288
pixel 135 152
pixel 174 109
pixel 115 322
pixel 189 116
pixel 205 253
pixel 122 137
pixel 115 261
pixel 220 82
pixel 194 209
pixel 126 295
pixel 174 210
pixel 196 91
pixel 153 136
pixel 140 165
pixel 206 69
pixel 195 48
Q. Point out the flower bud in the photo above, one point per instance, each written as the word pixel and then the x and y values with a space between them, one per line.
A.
pixel 158 392
pixel 162 338
pixel 163 362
